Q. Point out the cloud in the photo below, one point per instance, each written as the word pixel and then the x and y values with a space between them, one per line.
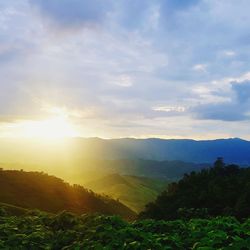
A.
pixel 229 53
pixel 223 112
pixel 148 62
pixel 122 81
pixel 169 108
pixel 73 13
pixel 242 91
pixel 179 5
pixel 200 67
pixel 237 109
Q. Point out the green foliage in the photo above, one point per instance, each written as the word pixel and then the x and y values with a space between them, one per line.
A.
pixel 189 213
pixel 2 211
pixel 67 231
pixel 221 190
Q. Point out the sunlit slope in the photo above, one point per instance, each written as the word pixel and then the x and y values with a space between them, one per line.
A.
pixel 133 191
pixel 35 190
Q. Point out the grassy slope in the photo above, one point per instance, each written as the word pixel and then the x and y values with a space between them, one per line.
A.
pixel 135 192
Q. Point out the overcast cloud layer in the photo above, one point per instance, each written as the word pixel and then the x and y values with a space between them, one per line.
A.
pixel 123 68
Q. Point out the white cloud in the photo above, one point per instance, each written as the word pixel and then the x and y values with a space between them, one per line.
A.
pixel 123 81
pixel 200 67
pixel 229 53
pixel 169 108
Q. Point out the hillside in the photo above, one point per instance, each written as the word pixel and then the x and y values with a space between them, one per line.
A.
pixel 34 190
pixel 133 191
pixel 221 190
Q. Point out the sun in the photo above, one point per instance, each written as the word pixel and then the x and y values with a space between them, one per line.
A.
pixel 52 128
pixel 59 123
pixel 57 127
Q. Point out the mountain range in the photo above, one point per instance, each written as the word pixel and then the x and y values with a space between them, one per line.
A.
pixel 82 160
pixel 233 150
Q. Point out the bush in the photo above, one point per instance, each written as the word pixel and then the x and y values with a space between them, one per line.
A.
pixel 92 231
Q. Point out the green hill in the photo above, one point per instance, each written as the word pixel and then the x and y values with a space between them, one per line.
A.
pixel 34 190
pixel 133 191
pixel 221 190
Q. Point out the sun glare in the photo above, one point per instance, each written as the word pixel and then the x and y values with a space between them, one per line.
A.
pixel 57 127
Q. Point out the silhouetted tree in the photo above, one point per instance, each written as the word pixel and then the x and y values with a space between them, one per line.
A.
pixel 219 163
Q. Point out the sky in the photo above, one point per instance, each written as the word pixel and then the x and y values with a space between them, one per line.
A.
pixel 125 68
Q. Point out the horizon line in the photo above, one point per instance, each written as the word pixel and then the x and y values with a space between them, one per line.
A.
pixel 122 138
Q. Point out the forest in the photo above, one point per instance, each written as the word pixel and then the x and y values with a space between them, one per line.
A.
pixel 220 190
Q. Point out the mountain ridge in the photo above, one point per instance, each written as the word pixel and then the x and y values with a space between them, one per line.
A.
pixel 233 150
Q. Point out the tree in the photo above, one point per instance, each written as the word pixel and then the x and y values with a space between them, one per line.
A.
pixel 219 163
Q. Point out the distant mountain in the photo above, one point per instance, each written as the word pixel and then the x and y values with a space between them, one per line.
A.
pixel 34 190
pixel 80 160
pixel 233 150
pixel 74 150
pixel 133 191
